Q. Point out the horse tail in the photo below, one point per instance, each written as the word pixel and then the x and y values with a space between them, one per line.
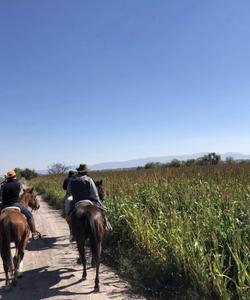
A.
pixel 91 227
pixel 5 244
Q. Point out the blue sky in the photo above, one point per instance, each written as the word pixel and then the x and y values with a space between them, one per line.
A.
pixel 95 81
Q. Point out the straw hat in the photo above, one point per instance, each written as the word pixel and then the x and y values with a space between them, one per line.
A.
pixel 11 174
pixel 82 168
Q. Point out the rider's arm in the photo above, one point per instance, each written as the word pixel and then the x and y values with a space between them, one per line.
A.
pixel 20 188
pixel 65 184
pixel 1 192
pixel 93 190
pixel 69 188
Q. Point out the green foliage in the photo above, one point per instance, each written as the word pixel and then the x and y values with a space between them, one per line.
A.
pixel 152 165
pixel 28 174
pixel 175 163
pixel 25 173
pixel 18 173
pixel 209 159
pixel 177 231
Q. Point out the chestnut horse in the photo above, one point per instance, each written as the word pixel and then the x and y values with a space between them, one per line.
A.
pixel 14 228
pixel 28 198
pixel 89 222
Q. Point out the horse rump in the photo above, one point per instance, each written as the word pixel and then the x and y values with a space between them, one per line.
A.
pixel 87 224
pixel 5 240
pixel 13 228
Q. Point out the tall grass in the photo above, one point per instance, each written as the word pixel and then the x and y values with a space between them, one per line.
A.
pixel 179 232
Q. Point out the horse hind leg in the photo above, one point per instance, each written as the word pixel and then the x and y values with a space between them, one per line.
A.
pixel 93 262
pixel 18 258
pixel 8 269
pixel 7 278
pixel 21 251
pixel 84 274
pixel 81 250
pixel 20 270
pixel 19 265
pixel 16 264
pixel 98 257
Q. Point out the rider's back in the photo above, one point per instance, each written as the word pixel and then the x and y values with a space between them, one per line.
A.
pixel 10 192
pixel 80 188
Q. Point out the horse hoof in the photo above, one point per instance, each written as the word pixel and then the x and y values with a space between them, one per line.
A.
pixel 97 289
pixel 7 288
pixel 79 261
pixel 14 282
pixel 19 274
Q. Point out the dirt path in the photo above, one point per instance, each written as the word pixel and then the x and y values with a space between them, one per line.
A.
pixel 51 271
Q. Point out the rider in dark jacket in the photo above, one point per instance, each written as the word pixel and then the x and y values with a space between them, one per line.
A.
pixel 66 180
pixel 65 198
pixel 10 197
pixel 82 187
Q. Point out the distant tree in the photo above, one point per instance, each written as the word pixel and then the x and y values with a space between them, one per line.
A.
pixel 201 161
pixel 210 159
pixel 58 168
pixel 139 168
pixel 28 173
pixel 213 158
pixel 153 165
pixel 243 161
pixel 18 173
pixel 230 160
pixel 190 162
pixel 175 163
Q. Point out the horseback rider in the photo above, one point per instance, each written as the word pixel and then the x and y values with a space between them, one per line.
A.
pixel 11 189
pixel 65 200
pixel 66 180
pixel 82 187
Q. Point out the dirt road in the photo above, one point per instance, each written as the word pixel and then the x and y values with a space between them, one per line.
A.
pixel 51 271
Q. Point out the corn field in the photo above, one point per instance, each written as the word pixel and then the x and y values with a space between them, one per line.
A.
pixel 178 233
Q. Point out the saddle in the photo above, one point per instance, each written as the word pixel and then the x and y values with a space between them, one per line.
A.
pixel 79 204
pixel 11 208
pixel 83 203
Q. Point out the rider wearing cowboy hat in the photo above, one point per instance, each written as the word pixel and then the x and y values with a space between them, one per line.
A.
pixel 82 187
pixel 11 189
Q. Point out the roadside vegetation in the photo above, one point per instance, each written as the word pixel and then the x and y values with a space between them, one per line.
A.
pixel 178 232
pixel 25 173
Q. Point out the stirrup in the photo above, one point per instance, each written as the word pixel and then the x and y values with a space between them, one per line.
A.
pixel 36 235
pixel 108 226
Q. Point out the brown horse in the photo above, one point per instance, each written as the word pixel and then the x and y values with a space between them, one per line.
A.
pixel 89 222
pixel 29 198
pixel 14 228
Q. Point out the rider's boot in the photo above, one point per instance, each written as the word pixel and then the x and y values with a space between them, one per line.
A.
pixel 35 234
pixel 108 226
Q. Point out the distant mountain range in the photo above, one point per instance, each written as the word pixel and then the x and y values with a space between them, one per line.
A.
pixel 141 162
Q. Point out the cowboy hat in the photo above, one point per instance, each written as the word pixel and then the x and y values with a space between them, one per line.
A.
pixel 82 168
pixel 11 174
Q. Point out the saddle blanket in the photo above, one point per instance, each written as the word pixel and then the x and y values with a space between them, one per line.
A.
pixel 82 203
pixel 10 208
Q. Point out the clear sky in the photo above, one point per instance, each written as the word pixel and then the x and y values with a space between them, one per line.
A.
pixel 95 81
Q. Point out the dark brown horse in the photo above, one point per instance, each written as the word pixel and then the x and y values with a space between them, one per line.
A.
pixel 14 228
pixel 88 222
